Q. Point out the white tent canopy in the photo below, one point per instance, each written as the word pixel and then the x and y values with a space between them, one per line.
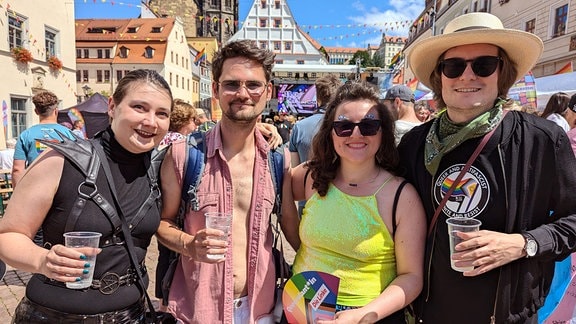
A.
pixel 549 85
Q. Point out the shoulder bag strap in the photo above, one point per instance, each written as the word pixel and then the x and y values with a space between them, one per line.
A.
pixel 461 175
pixel 395 205
pixel 125 229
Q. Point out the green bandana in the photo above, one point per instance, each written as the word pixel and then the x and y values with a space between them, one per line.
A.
pixel 444 135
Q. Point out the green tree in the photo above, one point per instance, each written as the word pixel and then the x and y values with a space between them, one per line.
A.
pixel 378 60
pixel 364 58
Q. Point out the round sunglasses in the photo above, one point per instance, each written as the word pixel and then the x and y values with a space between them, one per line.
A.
pixel 482 66
pixel 367 127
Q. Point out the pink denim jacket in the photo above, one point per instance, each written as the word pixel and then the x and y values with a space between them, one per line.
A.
pixel 203 292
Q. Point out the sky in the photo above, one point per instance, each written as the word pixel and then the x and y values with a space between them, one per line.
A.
pixel 341 23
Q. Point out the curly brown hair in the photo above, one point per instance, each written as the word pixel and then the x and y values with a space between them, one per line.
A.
pixel 45 102
pixel 325 161
pixel 182 114
pixel 508 74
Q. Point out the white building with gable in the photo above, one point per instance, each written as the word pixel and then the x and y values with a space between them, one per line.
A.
pixel 271 25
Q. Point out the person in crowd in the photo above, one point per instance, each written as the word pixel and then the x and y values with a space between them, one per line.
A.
pixel 423 113
pixel 348 228
pixel 284 126
pixel 28 148
pixel 7 155
pixel 240 287
pixel 78 129
pixel 560 112
pixel 470 68
pixel 572 137
pixel 182 122
pixel 304 130
pixel 202 121
pixel 400 100
pixel 140 115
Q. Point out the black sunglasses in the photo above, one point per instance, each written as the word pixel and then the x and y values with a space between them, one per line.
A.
pixel 368 127
pixel 482 66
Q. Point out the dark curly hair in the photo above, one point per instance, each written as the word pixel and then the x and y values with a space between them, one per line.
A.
pixel 325 162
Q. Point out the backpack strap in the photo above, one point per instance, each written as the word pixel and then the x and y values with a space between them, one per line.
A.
pixel 276 165
pixel 193 168
pixel 395 205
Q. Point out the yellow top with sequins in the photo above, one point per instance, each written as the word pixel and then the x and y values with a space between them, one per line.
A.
pixel 345 236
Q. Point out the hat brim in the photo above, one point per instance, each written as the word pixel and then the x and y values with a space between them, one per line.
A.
pixel 523 48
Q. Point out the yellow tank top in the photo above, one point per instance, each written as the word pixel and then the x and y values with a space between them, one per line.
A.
pixel 345 236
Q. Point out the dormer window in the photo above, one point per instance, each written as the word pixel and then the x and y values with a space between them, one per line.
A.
pixel 132 30
pixel 149 52
pixel 156 29
pixel 124 52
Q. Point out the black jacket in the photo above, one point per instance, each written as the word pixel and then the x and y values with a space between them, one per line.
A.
pixel 524 180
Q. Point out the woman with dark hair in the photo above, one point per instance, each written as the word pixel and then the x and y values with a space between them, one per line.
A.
pixel 46 196
pixel 348 228
pixel 557 111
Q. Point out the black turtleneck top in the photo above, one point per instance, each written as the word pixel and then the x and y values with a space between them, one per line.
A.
pixel 129 172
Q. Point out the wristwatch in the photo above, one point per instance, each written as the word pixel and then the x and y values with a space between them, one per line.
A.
pixel 530 245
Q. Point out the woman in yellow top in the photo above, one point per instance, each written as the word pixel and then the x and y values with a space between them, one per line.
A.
pixel 348 228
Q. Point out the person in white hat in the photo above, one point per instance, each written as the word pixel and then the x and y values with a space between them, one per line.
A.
pixel 520 186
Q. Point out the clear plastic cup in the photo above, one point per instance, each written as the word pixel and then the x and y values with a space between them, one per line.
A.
pixel 86 243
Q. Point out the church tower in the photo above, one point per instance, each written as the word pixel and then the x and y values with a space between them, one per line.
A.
pixel 201 18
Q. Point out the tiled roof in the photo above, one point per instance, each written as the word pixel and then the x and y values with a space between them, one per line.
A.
pixel 350 50
pixel 134 34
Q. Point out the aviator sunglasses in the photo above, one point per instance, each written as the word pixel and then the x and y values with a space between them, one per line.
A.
pixel 368 127
pixel 254 88
pixel 482 66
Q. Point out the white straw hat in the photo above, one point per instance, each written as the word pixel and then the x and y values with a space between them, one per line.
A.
pixel 522 47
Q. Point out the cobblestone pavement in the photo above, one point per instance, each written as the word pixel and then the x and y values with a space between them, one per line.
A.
pixel 13 286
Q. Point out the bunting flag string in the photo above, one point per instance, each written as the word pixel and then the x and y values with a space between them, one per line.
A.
pixel 382 26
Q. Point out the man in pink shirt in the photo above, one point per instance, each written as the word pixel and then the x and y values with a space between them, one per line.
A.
pixel 239 287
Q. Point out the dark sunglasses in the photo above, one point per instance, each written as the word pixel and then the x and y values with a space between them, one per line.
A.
pixel 368 127
pixel 482 66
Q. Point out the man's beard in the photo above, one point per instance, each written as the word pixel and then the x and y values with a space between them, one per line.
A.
pixel 244 116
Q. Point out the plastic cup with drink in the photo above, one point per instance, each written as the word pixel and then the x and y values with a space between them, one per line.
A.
pixel 460 224
pixel 222 222
pixel 87 244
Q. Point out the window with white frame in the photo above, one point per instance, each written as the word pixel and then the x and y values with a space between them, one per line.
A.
pixel 51 38
pixel 288 46
pixel 86 53
pixel 15 30
pixel 99 76
pixel 18 115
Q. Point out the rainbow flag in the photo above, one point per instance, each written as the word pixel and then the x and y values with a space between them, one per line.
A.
pixel 418 89
pixel 201 56
pixel 395 59
pixel 565 69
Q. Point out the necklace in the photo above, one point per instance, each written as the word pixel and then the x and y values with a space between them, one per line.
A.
pixel 351 184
